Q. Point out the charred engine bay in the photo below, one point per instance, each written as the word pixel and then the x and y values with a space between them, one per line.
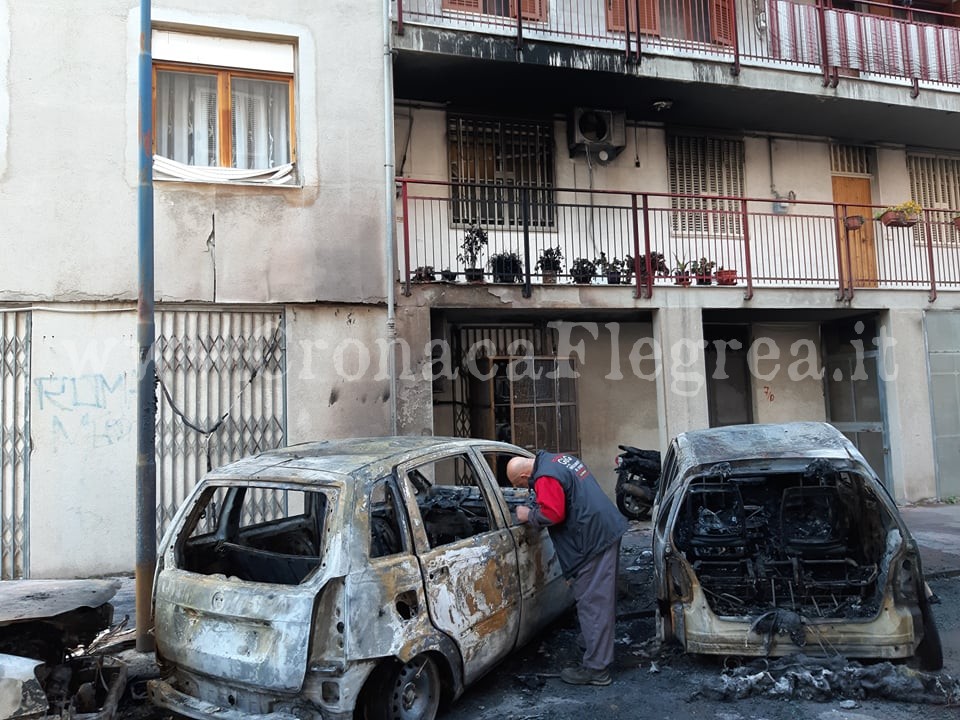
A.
pixel 814 542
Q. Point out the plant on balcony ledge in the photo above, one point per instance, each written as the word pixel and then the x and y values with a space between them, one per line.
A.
pixel 507 267
pixel 471 250
pixel 905 214
pixel 550 264
pixel 702 269
pixel 681 272
pixel 583 271
pixel 612 269
pixel 726 276
pixel 424 273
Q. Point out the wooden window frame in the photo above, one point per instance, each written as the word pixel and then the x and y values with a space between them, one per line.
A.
pixel 532 10
pixel 224 76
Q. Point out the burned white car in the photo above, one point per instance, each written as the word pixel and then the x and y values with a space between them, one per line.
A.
pixel 776 539
pixel 367 578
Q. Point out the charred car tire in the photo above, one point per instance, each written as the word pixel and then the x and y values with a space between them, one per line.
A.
pixel 632 506
pixel 404 691
pixel 929 653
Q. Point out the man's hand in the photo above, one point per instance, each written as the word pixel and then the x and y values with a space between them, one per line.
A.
pixel 523 513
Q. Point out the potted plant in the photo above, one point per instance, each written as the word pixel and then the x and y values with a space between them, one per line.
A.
pixel 626 269
pixel 853 222
pixel 550 263
pixel 471 250
pixel 658 265
pixel 612 269
pixel 906 214
pixel 448 275
pixel 681 271
pixel 507 267
pixel 424 273
pixel 726 276
pixel 583 270
pixel 702 269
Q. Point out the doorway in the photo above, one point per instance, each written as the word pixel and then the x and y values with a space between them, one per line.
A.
pixel 852 388
pixel 861 265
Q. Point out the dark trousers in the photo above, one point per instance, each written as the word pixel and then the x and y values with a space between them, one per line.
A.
pixel 595 590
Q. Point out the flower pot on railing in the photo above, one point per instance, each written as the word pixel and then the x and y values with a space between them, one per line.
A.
pixel 726 277
pixel 853 222
pixel 899 219
pixel 473 275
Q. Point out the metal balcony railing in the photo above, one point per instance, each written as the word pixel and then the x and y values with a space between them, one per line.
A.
pixel 663 238
pixel 882 41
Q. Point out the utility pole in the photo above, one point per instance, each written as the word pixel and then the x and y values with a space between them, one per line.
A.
pixel 146 334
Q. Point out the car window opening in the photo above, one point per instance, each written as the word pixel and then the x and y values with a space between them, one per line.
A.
pixel 255 534
pixel 813 542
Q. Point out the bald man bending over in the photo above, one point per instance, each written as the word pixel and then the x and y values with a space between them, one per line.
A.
pixel 586 529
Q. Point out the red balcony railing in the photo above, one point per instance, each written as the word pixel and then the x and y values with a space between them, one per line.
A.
pixel 882 41
pixel 801 244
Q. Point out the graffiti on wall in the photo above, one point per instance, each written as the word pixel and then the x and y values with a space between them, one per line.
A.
pixel 95 410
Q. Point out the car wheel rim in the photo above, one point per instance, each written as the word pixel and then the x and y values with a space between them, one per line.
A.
pixel 415 691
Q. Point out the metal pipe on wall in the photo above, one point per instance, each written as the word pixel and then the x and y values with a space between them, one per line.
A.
pixel 389 176
pixel 146 504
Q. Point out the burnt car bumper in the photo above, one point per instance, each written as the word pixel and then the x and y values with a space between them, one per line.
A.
pixel 164 695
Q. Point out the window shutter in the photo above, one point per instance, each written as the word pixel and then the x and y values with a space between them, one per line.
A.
pixel 535 10
pixel 649 16
pixel 616 17
pixel 469 5
pixel 721 21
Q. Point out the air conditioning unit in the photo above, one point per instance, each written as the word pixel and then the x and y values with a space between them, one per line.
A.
pixel 602 133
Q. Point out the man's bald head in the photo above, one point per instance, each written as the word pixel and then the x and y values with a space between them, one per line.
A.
pixel 519 471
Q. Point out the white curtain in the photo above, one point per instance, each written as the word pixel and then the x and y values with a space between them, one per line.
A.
pixel 261 123
pixel 187 118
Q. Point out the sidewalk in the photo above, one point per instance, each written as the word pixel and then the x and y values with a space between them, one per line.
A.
pixel 936 528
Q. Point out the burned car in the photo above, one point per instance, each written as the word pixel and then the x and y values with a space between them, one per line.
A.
pixel 776 539
pixel 366 578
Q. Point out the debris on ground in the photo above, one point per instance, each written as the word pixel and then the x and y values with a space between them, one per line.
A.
pixel 46 630
pixel 822 680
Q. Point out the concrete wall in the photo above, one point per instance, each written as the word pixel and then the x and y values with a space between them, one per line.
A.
pixel 83 443
pixel 71 164
pixel 785 370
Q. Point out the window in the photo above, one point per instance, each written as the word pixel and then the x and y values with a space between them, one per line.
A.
pixel 451 499
pixel 935 184
pixel 701 165
pixel 490 160
pixel 387 536
pixel 223 103
pixel 535 10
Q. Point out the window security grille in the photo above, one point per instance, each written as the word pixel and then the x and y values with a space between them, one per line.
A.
pixel 490 160
pixel 849 160
pixel 706 166
pixel 935 184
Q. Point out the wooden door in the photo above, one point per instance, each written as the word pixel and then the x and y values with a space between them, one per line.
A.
pixel 854 192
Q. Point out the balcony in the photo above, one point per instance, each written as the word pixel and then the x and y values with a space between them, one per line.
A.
pixel 797 244
pixel 886 42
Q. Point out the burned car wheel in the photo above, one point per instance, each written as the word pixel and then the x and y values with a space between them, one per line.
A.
pixel 929 652
pixel 410 691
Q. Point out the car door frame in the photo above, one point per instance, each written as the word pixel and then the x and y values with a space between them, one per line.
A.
pixel 472 586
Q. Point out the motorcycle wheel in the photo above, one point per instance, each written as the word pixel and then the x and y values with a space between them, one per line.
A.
pixel 631 506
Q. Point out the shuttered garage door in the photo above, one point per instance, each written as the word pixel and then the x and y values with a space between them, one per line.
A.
pixel 943 356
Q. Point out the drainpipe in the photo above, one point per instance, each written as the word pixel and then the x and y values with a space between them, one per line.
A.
pixel 146 332
pixel 389 182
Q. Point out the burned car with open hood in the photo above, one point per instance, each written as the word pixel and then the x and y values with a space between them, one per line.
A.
pixel 776 539
pixel 368 576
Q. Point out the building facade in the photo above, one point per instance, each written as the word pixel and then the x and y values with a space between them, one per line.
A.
pixel 660 139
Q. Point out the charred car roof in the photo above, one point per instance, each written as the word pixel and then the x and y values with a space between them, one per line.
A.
pixel 737 443
pixel 341 457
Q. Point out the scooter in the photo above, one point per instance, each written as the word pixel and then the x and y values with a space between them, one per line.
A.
pixel 638 472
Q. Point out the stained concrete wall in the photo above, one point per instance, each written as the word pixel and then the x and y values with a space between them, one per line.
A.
pixel 70 180
pixel 785 369
pixel 82 484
